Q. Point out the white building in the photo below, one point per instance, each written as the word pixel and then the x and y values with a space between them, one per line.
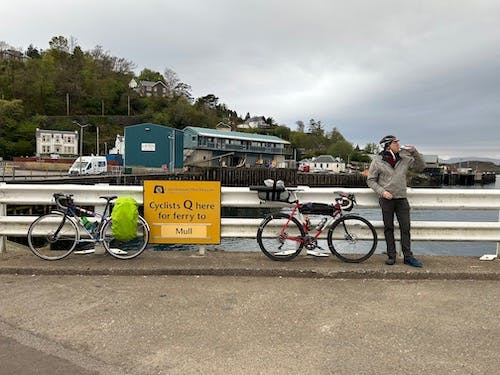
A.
pixel 256 122
pixel 119 147
pixel 56 142
pixel 323 163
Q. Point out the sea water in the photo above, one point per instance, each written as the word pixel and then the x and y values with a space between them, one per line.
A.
pixel 418 247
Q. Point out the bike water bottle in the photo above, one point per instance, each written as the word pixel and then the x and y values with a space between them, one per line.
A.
pixel 86 223
pixel 321 223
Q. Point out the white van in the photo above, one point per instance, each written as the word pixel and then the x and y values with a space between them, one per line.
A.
pixel 89 165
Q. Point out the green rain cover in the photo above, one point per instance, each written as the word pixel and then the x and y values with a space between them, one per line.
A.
pixel 124 219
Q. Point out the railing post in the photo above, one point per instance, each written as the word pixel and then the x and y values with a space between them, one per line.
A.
pixel 498 243
pixel 3 239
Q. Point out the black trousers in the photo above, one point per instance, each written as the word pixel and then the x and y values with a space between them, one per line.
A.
pixel 401 208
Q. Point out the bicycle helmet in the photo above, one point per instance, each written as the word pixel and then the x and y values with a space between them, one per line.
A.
pixel 386 141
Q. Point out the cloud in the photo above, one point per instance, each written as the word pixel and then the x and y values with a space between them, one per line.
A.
pixel 426 70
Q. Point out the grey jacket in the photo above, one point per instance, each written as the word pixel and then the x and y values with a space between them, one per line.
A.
pixel 383 177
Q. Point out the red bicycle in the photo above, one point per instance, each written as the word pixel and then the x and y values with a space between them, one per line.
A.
pixel 282 236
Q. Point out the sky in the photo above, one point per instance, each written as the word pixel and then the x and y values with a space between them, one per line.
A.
pixel 425 71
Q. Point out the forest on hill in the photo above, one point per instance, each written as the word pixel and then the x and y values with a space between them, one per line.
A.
pixel 51 88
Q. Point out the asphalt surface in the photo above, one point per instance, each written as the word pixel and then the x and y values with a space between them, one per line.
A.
pixel 240 313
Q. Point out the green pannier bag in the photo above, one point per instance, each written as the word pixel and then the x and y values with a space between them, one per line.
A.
pixel 124 219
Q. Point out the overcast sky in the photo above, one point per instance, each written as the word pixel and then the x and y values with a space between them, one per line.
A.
pixel 425 71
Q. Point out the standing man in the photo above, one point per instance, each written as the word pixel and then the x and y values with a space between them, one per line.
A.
pixel 387 177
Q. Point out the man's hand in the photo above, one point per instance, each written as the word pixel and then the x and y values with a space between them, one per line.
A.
pixel 387 195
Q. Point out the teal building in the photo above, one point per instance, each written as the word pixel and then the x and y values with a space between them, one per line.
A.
pixel 153 146
pixel 211 147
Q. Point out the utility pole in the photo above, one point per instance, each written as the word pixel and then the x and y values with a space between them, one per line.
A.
pixel 97 140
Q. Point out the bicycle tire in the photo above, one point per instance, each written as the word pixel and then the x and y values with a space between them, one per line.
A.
pixel 125 249
pixel 352 239
pixel 41 241
pixel 280 237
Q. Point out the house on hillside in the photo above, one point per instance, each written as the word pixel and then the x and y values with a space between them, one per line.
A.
pixel 206 147
pixel 149 88
pixel 256 122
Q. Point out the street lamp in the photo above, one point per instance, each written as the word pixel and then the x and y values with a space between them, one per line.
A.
pixel 81 141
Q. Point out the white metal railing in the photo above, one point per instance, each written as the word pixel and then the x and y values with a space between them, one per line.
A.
pixel 453 199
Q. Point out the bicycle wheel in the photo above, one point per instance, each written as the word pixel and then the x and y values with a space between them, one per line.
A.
pixel 126 249
pixel 280 237
pixel 45 243
pixel 352 238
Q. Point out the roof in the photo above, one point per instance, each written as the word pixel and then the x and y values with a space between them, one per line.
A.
pixel 39 131
pixel 207 132
pixel 151 83
pixel 149 124
pixel 325 159
pixel 255 118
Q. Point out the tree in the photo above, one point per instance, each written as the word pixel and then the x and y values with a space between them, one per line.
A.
pixel 300 126
pixel 282 132
pixel 270 121
pixel 59 43
pixel 32 52
pixel 336 136
pixel 171 80
pixel 150 75
pixel 209 101
pixel 315 127
pixel 184 90
pixel 342 149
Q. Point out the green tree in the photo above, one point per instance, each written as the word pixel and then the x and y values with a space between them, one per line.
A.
pixel 315 127
pixel 342 149
pixel 300 126
pixel 59 43
pixel 33 52
pixel 336 136
pixel 282 132
pixel 150 75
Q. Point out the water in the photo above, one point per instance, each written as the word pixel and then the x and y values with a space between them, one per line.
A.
pixel 418 247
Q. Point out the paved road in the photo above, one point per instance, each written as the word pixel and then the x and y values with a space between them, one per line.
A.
pixel 248 325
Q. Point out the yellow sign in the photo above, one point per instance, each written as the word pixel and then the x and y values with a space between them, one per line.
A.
pixel 183 211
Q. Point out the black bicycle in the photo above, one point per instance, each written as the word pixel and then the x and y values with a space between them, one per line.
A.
pixel 55 235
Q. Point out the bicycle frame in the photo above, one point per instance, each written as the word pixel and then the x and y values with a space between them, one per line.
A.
pixel 297 214
pixel 70 213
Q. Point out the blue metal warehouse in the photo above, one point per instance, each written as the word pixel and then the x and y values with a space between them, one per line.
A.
pixel 153 146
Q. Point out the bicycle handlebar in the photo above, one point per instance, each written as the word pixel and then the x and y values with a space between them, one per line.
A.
pixel 63 200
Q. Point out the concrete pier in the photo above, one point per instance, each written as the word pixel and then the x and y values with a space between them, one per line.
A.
pixel 241 313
